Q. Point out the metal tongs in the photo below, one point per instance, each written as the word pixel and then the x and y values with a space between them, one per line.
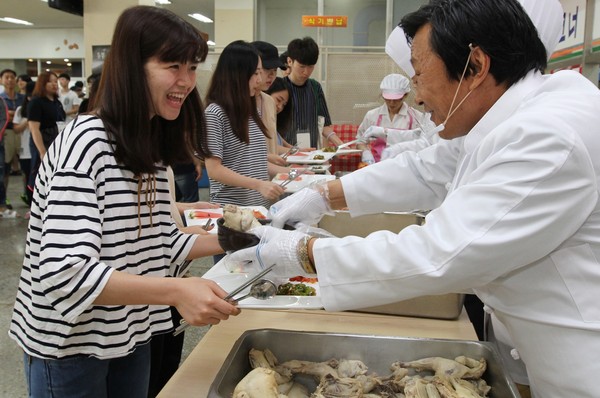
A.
pixel 292 151
pixel 183 324
pixel 347 144
pixel 292 175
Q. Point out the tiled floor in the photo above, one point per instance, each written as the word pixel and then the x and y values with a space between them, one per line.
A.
pixel 12 245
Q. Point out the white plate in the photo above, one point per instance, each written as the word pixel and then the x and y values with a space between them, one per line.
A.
pixel 230 282
pixel 308 157
pixel 217 212
pixel 301 181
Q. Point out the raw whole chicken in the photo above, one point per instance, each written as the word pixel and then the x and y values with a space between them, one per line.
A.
pixel 334 387
pixel 458 378
pixel 259 383
pixel 240 219
pixel 461 367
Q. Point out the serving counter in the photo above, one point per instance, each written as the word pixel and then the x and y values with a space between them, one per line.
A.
pixel 194 377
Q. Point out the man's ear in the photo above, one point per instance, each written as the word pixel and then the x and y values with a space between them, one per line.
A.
pixel 480 66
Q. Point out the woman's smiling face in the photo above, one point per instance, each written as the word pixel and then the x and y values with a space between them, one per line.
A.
pixel 169 84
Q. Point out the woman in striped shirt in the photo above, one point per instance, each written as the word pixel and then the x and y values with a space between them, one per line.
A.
pixel 93 291
pixel 238 169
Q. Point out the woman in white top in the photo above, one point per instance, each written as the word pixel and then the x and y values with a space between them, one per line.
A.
pixel 392 122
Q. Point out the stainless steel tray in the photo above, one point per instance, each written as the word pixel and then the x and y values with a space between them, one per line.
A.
pixel 377 352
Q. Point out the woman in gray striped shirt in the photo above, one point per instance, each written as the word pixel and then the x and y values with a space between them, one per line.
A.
pixel 93 291
pixel 238 169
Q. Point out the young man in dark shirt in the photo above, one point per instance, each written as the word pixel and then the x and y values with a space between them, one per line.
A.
pixel 307 97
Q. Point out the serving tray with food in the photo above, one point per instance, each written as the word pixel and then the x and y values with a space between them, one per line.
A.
pixel 263 363
pixel 201 216
pixel 301 181
pixel 293 292
pixel 313 157
pixel 297 292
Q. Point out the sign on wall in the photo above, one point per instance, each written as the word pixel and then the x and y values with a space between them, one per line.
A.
pixel 573 28
pixel 325 21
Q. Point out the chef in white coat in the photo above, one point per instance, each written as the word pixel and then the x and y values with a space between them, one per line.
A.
pixel 514 188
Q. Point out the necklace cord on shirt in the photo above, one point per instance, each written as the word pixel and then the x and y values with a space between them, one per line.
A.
pixel 150 198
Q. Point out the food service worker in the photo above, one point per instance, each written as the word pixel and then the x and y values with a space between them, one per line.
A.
pixel 513 185
pixel 393 122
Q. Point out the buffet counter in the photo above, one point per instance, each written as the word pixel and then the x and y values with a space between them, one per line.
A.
pixel 194 377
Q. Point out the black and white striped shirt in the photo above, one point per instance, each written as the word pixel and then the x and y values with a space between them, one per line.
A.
pixel 84 225
pixel 248 160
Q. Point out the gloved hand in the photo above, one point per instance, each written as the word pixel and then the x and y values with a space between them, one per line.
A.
pixel 367 157
pixel 307 206
pixel 374 132
pixel 393 151
pixel 396 136
pixel 277 246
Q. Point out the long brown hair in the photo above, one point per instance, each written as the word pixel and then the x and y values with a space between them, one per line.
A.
pixel 229 87
pixel 40 89
pixel 123 97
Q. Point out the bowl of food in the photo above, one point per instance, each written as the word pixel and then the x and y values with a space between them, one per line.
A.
pixel 231 239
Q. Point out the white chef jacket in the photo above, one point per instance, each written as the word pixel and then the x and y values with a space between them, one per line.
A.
pixel 516 217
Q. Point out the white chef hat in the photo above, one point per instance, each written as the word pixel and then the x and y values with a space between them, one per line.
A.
pixel 546 15
pixel 394 86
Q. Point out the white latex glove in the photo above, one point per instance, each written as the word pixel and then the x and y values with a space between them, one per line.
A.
pixel 367 157
pixel 306 206
pixel 395 150
pixel 277 246
pixel 374 132
pixel 397 136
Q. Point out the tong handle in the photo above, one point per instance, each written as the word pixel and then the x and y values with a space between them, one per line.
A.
pixel 286 182
pixel 184 325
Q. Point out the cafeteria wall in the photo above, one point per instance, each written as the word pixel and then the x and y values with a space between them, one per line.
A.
pixel 346 53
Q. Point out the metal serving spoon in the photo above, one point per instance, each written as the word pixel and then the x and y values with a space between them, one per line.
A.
pixel 262 289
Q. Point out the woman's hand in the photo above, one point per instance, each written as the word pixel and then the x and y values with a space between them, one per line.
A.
pixel 200 302
pixel 270 190
pixel 276 159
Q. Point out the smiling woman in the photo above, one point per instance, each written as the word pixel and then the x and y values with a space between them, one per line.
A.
pixel 93 290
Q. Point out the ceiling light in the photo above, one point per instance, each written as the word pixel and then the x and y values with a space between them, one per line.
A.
pixel 66 59
pixel 162 1
pixel 201 18
pixel 15 20
pixel 48 62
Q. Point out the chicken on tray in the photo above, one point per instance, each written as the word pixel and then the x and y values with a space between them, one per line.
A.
pixel 424 378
